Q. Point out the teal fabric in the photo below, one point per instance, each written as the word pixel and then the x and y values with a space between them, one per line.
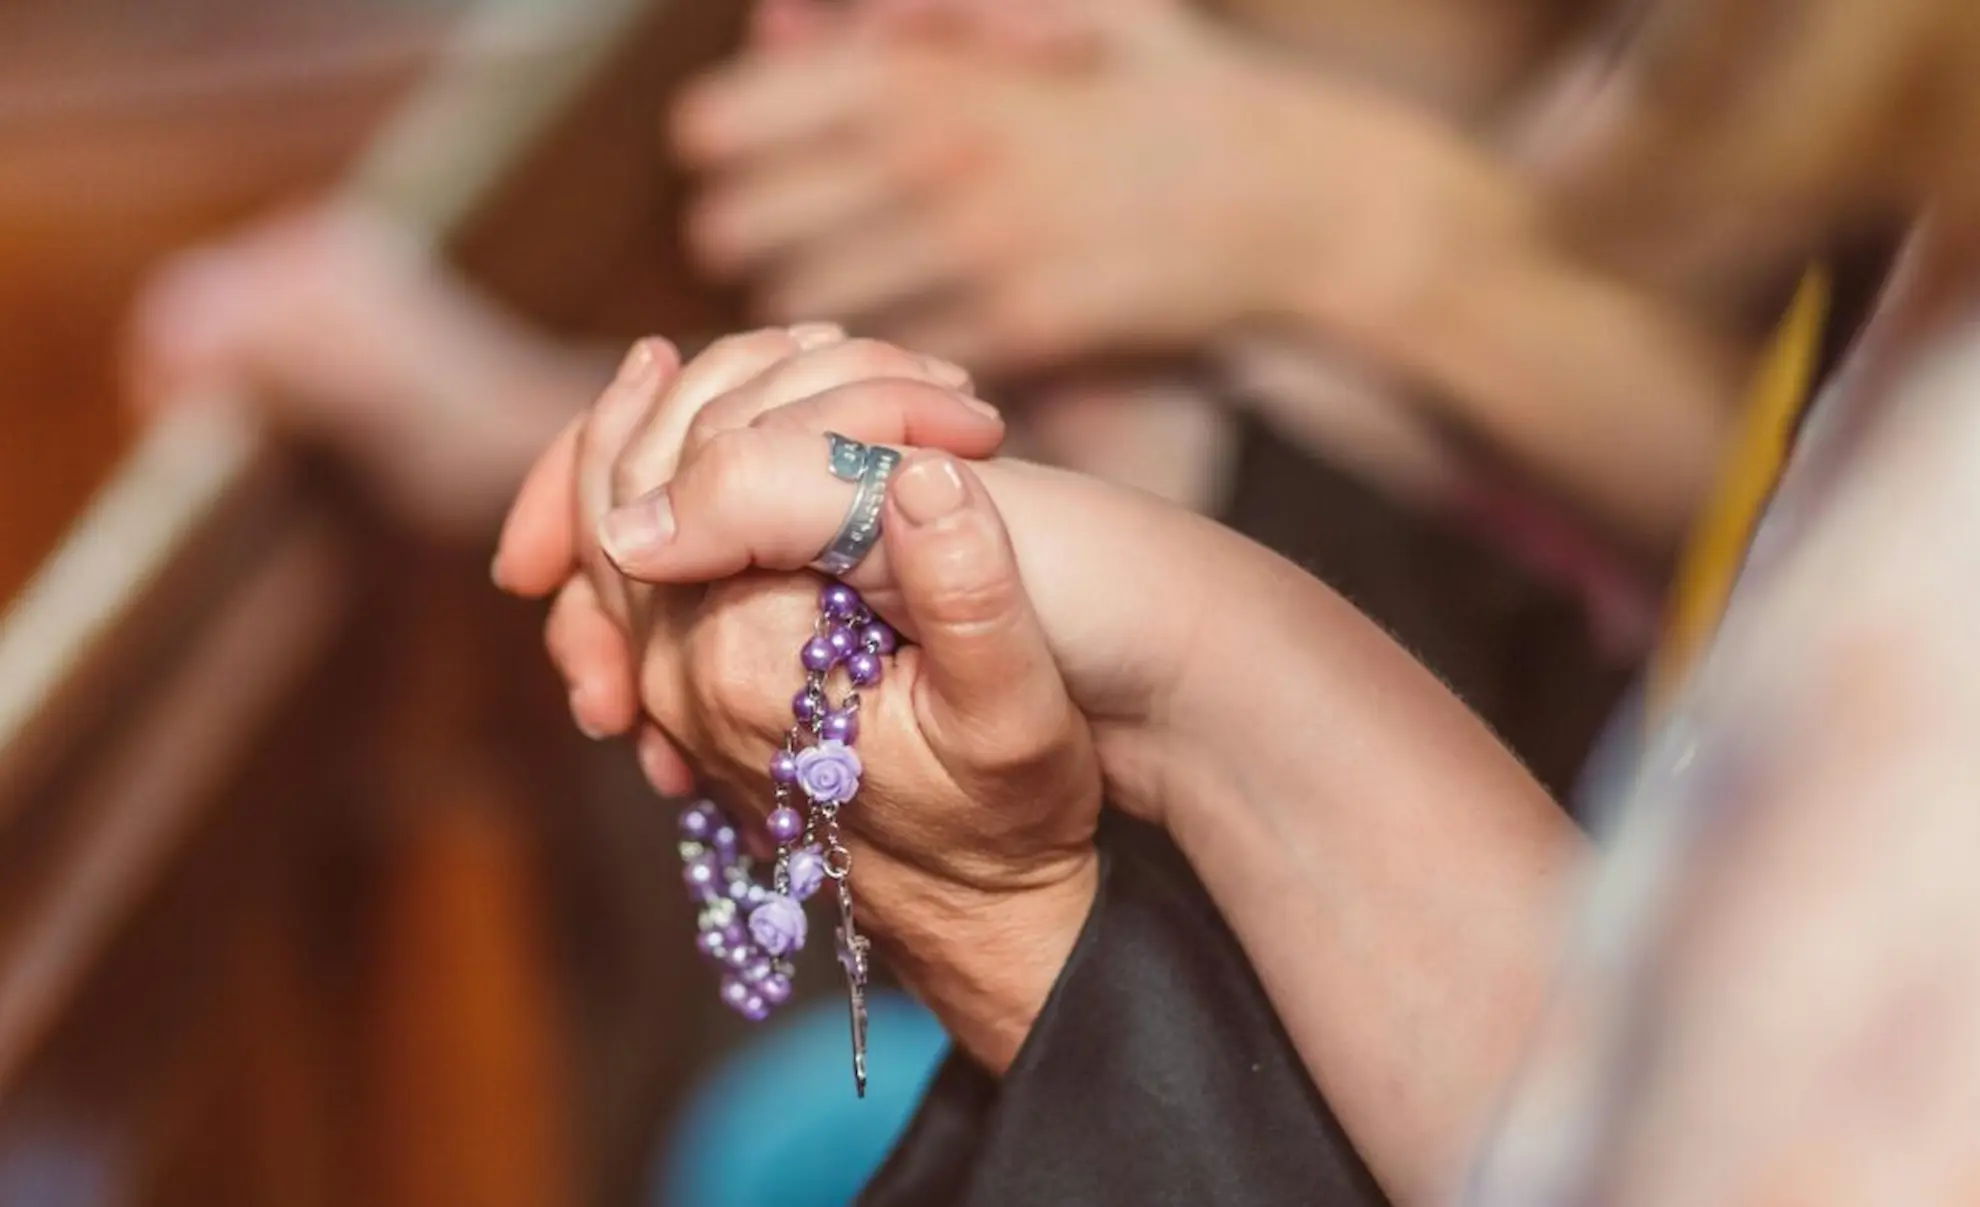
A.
pixel 778 1125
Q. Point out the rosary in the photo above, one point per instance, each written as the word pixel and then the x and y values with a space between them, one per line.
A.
pixel 750 930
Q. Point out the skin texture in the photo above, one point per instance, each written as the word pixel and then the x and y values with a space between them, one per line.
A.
pixel 977 813
pixel 1398 885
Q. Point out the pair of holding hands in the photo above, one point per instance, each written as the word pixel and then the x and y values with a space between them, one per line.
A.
pixel 673 521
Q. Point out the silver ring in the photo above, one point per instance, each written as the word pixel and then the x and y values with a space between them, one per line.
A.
pixel 870 465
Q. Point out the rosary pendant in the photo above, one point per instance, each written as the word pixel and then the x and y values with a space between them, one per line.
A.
pixel 753 931
pixel 853 948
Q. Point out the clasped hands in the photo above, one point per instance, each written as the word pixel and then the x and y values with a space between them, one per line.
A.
pixel 672 523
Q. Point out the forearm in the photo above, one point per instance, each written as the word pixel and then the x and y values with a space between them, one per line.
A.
pixel 1460 55
pixel 1392 871
pixel 1615 400
pixel 1398 880
pixel 1453 285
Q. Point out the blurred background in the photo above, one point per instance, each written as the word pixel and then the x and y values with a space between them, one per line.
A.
pixel 310 893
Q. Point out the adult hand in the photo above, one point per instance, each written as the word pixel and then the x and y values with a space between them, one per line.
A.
pixel 1009 218
pixel 973 830
pixel 350 333
pixel 1039 32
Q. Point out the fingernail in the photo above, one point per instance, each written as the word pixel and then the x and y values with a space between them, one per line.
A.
pixel 945 372
pixel 817 335
pixel 650 752
pixel 981 407
pixel 585 727
pixel 639 529
pixel 495 571
pixel 640 363
pixel 928 490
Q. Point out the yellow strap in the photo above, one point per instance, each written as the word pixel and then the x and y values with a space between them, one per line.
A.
pixel 1717 550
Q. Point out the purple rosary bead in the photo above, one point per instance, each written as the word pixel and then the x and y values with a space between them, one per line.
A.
pixel 863 669
pixel 698 822
pixel 839 601
pixel 745 927
pixel 818 655
pixel 702 875
pixel 786 825
pixel 838 727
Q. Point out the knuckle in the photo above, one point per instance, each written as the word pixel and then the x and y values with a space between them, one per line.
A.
pixel 634 473
pixel 732 684
pixel 962 593
pixel 871 358
pixel 727 464
pixel 747 344
pixel 713 419
pixel 1015 743
pixel 969 602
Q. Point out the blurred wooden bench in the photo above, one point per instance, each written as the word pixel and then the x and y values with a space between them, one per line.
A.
pixel 303 895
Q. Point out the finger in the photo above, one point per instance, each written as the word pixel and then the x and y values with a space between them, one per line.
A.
pixel 874 271
pixel 662 763
pixel 819 370
pixel 949 420
pixel 988 686
pixel 748 221
pixel 764 105
pixel 590 651
pixel 762 496
pixel 1032 34
pixel 536 552
pixel 647 456
pixel 641 383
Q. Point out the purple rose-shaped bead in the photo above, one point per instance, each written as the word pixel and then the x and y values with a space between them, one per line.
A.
pixel 829 772
pixel 806 871
pixel 778 925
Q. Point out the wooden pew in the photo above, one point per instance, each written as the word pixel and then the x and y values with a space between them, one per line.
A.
pixel 307 893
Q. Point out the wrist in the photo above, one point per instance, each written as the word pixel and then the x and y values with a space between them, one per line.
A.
pixel 985 962
pixel 1396 257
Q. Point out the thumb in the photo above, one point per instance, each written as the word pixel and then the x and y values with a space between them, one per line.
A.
pixel 988 686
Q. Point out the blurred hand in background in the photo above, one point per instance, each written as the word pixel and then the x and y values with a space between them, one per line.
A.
pixel 345 331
